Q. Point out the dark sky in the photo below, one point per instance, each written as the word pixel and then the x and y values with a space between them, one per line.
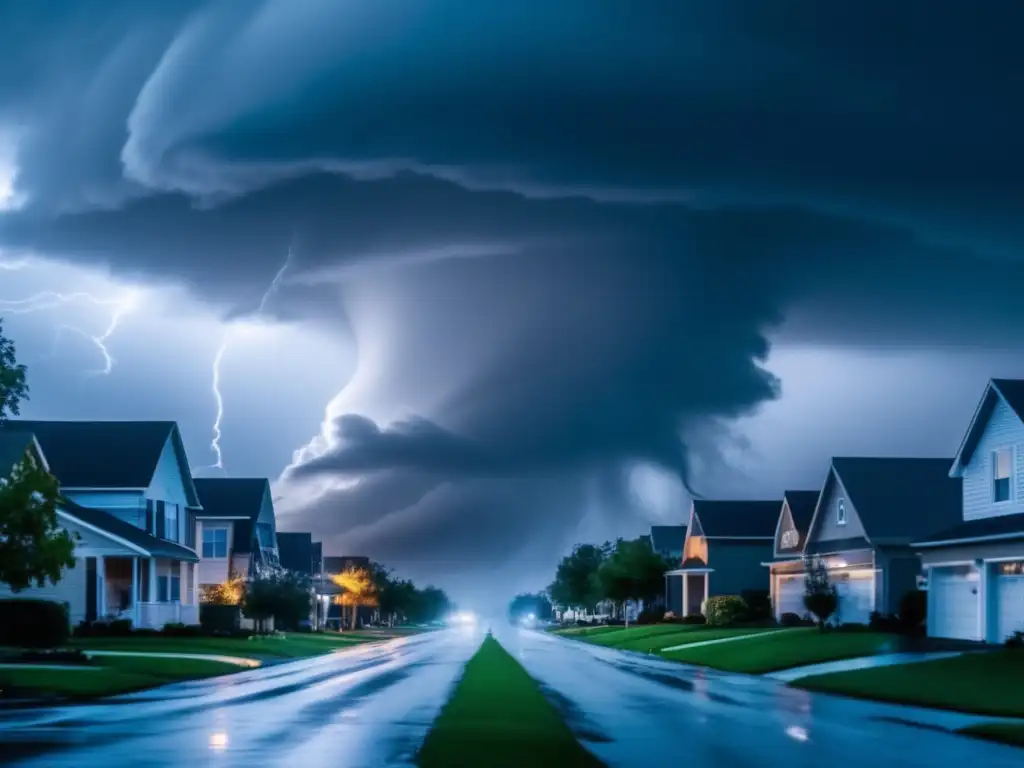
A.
pixel 551 264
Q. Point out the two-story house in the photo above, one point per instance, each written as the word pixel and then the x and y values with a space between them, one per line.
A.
pixel 726 544
pixel 128 496
pixel 869 512
pixel 786 571
pixel 236 531
pixel 668 541
pixel 976 567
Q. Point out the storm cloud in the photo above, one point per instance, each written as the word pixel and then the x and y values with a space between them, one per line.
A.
pixel 559 237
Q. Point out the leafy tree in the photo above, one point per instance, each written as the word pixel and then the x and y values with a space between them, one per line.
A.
pixel 359 590
pixel 632 571
pixel 34 547
pixel 230 592
pixel 429 604
pixel 821 597
pixel 527 604
pixel 575 586
pixel 280 593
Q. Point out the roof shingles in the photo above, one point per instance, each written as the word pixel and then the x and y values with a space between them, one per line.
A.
pixel 737 519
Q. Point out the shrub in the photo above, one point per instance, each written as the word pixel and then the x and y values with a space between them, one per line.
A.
pixel 793 620
pixel 182 630
pixel 821 597
pixel 695 618
pixel 759 604
pixel 219 618
pixel 913 610
pixel 119 627
pixel 884 622
pixel 648 616
pixel 853 626
pixel 33 623
pixel 669 616
pixel 723 610
pixel 1016 640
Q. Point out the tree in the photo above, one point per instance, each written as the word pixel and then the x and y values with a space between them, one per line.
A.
pixel 230 592
pixel 359 589
pixel 529 604
pixel 575 585
pixel 280 593
pixel 429 604
pixel 632 571
pixel 34 547
pixel 821 597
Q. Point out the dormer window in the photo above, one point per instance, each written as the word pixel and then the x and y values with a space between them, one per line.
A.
pixel 841 512
pixel 790 539
pixel 1002 475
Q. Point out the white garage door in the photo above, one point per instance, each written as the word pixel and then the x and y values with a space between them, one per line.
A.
pixel 789 596
pixel 953 602
pixel 1011 601
pixel 856 596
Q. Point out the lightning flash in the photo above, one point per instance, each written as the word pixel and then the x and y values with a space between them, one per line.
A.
pixel 218 396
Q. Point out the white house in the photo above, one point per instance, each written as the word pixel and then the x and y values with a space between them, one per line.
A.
pixel 976 568
pixel 236 531
pixel 129 496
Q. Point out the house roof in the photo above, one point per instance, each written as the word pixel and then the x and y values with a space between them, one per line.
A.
pixel 1006 527
pixel 119 528
pixel 801 508
pixel 234 497
pixel 900 499
pixel 1010 391
pixel 668 538
pixel 737 519
pixel 12 449
pixel 105 454
pixel 295 551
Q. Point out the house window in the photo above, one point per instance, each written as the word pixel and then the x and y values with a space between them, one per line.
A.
pixel 168 588
pixel 1002 474
pixel 790 539
pixel 841 512
pixel 171 522
pixel 215 542
pixel 1013 568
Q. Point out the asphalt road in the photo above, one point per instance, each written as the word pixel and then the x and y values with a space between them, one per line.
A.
pixel 372 706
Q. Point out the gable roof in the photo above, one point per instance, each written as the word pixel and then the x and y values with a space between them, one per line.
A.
pixel 13 446
pixel 737 519
pixel 897 499
pixel 668 538
pixel 1009 391
pixel 801 508
pixel 234 497
pixel 295 551
pixel 1001 528
pixel 137 537
pixel 106 454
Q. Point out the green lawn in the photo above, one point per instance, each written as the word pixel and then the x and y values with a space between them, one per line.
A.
pixel 1007 733
pixel 986 683
pixel 784 649
pixel 497 716
pixel 115 675
pixel 290 646
pixel 654 637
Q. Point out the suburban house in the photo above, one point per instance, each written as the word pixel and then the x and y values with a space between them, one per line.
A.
pixel 725 546
pixel 787 569
pixel 333 565
pixel 976 566
pixel 236 531
pixel 299 553
pixel 128 495
pixel 667 541
pixel 868 514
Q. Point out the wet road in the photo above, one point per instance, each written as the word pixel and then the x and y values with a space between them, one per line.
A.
pixel 368 706
pixel 372 706
pixel 631 710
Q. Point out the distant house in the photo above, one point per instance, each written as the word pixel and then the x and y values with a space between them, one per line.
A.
pixel 333 565
pixel 976 565
pixel 236 530
pixel 668 541
pixel 869 512
pixel 726 544
pixel 128 494
pixel 787 569
pixel 295 551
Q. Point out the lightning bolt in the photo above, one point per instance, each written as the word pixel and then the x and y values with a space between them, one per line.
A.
pixel 218 396
pixel 46 300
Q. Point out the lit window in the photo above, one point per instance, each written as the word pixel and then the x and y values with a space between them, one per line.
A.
pixel 1014 568
pixel 841 512
pixel 215 542
pixel 1002 474
pixel 790 539
pixel 171 522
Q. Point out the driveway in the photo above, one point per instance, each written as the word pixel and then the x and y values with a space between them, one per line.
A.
pixel 366 706
pixel 629 709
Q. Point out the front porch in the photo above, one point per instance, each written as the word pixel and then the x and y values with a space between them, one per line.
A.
pixel 695 585
pixel 150 591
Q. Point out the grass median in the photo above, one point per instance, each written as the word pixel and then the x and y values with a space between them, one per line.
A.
pixel 498 716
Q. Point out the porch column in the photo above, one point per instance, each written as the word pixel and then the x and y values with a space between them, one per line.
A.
pixel 183 580
pixel 101 586
pixel 151 587
pixel 135 591
pixel 686 595
pixel 707 582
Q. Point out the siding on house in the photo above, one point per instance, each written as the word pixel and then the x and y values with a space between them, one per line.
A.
pixel 826 527
pixel 1004 429
pixel 168 485
pixel 737 565
pixel 129 506
pixel 968 553
pixel 213 570
pixel 899 573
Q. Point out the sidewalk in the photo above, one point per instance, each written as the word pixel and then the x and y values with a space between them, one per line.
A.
pixel 851 665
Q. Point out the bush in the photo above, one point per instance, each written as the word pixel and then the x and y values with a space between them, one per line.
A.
pixel 794 620
pixel 759 604
pixel 853 626
pixel 219 618
pixel 723 610
pixel 1016 640
pixel 648 616
pixel 884 622
pixel 695 618
pixel 33 623
pixel 913 611
pixel 182 630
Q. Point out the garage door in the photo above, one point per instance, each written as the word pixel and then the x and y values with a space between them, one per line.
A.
pixel 789 596
pixel 1011 599
pixel 856 596
pixel 953 602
